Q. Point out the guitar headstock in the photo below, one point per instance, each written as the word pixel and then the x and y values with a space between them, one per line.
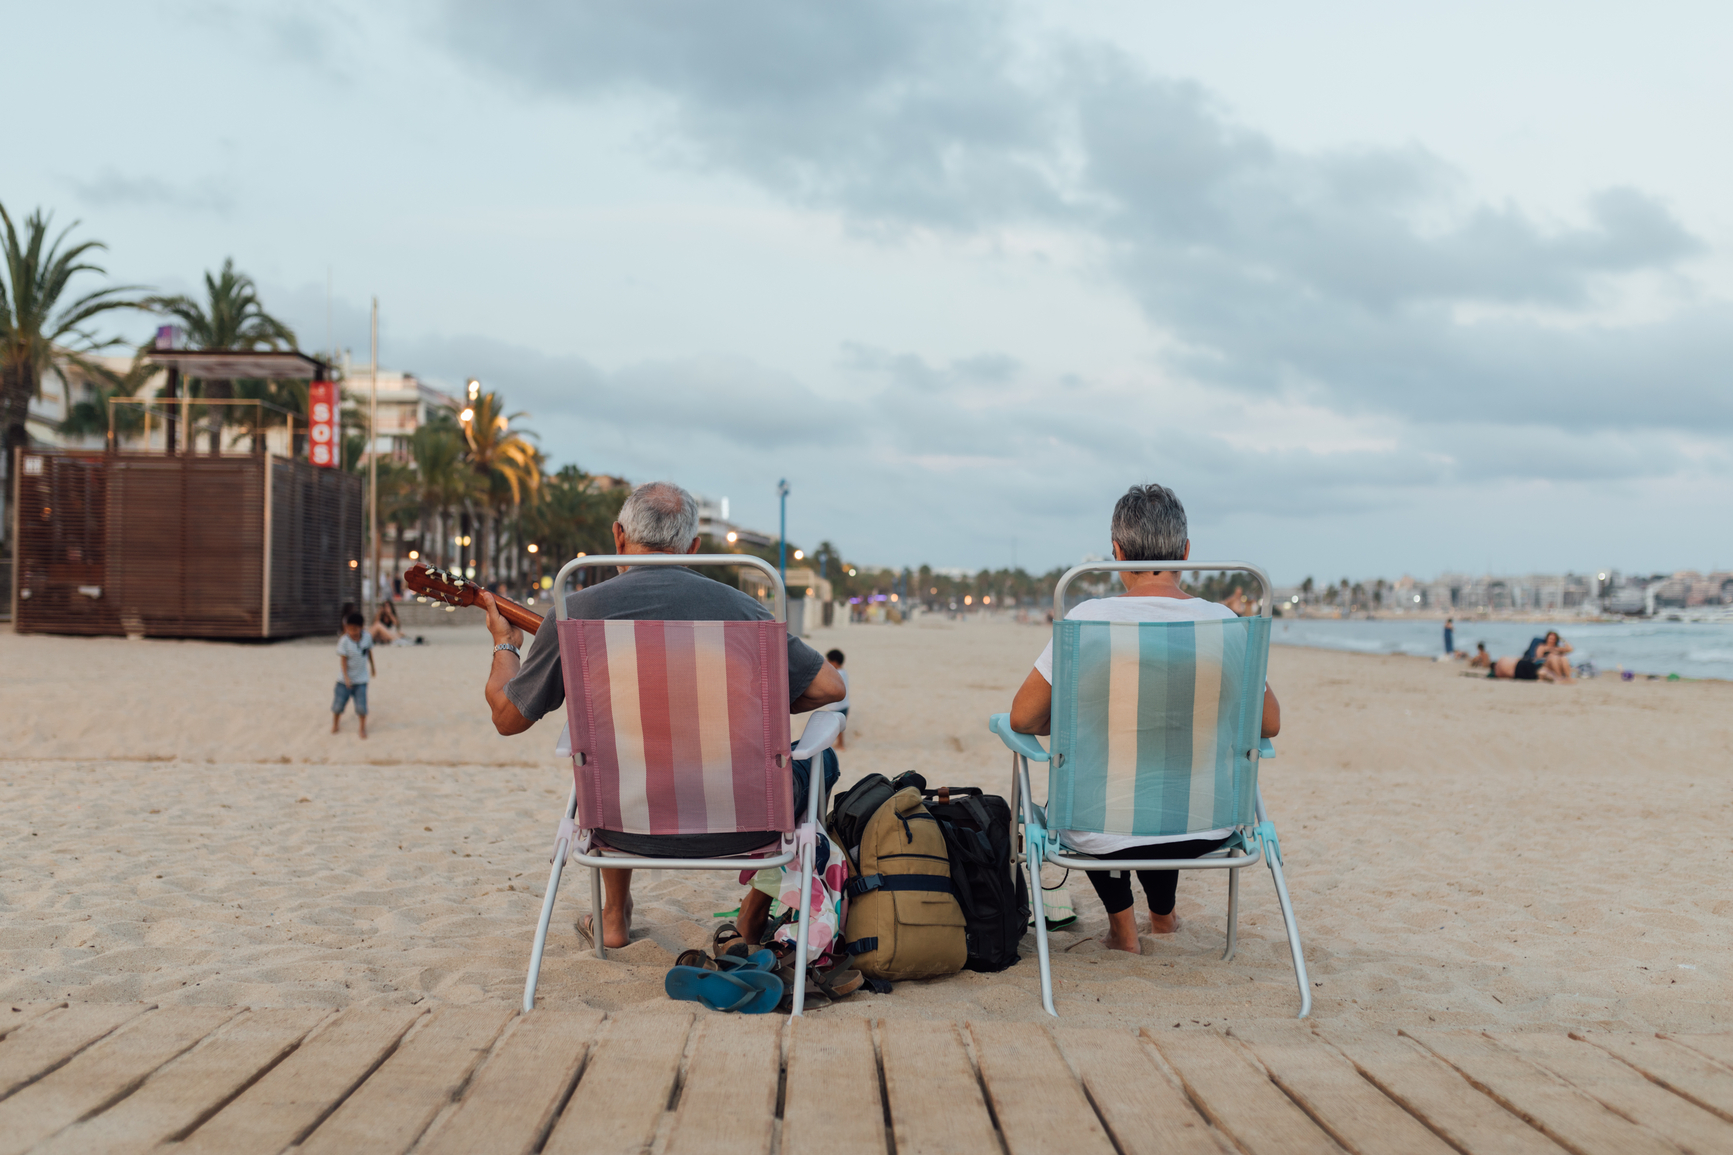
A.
pixel 440 585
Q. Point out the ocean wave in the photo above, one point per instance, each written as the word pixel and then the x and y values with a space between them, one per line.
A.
pixel 1709 655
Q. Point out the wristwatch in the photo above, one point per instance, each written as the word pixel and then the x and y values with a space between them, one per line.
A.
pixel 515 652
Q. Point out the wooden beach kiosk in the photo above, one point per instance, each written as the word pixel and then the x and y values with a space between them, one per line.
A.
pixel 176 543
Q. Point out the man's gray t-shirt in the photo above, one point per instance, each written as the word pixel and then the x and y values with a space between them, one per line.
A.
pixel 646 593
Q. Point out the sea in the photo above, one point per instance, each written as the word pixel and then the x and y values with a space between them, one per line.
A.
pixel 1688 649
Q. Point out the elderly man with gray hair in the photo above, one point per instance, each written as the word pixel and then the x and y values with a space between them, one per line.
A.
pixel 659 517
pixel 1148 525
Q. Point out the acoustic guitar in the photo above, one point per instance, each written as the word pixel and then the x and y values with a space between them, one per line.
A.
pixel 440 586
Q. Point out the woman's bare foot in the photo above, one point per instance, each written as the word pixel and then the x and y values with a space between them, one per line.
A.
pixel 1163 923
pixel 1122 932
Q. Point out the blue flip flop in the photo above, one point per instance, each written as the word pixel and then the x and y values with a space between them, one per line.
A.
pixel 746 989
pixel 762 960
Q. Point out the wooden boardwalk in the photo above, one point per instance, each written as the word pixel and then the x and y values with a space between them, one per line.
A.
pixel 100 1078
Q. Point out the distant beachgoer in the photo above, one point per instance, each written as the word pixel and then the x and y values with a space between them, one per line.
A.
pixel 835 658
pixel 1526 670
pixel 355 665
pixel 1549 652
pixel 1238 602
pixel 1481 659
pixel 1449 635
pixel 385 628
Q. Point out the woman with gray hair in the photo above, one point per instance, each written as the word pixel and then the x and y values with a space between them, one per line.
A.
pixel 1148 525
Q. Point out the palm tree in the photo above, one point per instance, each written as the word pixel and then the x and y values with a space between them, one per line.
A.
pixel 570 516
pixel 36 330
pixel 92 414
pixel 232 318
pixel 444 480
pixel 510 468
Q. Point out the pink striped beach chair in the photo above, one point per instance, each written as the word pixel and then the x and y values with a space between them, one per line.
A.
pixel 680 728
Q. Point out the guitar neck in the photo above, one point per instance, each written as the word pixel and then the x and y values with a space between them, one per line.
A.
pixel 524 619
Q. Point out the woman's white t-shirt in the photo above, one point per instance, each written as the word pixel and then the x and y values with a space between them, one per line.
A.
pixel 1125 609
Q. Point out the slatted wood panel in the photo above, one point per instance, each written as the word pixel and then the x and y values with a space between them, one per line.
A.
pixel 1567 1114
pixel 286 1104
pixel 833 1074
pixel 188 1080
pixel 1338 1098
pixel 189 1089
pixel 179 546
pixel 1441 1097
pixel 1238 1098
pixel 1144 1111
pixel 1679 1069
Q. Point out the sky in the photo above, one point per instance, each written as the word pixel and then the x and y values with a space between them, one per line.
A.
pixel 1377 289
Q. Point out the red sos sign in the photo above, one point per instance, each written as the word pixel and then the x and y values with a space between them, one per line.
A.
pixel 322 423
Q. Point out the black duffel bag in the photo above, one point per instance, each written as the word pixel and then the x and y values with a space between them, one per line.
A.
pixel 993 895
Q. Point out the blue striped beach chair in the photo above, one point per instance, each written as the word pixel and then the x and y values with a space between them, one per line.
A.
pixel 1155 732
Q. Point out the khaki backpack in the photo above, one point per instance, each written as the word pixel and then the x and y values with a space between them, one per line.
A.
pixel 903 918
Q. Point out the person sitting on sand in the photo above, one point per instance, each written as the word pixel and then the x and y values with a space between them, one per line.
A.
pixel 1148 525
pixel 385 629
pixel 658 517
pixel 1481 659
pixel 1550 652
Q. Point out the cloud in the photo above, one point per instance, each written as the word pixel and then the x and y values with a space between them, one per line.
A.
pixel 110 188
pixel 1365 278
pixel 733 401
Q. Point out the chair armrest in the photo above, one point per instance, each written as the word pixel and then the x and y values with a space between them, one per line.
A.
pixel 563 748
pixel 823 727
pixel 1024 744
pixel 1266 749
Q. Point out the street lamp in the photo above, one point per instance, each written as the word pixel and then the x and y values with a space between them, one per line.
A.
pixel 799 555
pixel 782 538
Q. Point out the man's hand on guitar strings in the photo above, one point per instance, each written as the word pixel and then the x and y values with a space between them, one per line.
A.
pixel 503 631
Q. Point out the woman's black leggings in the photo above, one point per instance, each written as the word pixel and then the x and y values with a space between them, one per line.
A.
pixel 1114 886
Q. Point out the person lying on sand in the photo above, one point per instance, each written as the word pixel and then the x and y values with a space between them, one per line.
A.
pixel 1148 525
pixel 1524 670
pixel 659 517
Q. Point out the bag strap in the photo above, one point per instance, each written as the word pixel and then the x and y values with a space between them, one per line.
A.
pixel 933 882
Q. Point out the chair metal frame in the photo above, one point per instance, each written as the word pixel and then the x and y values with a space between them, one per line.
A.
pixel 1248 846
pixel 574 844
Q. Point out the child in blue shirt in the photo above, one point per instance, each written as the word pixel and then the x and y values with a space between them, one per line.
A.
pixel 355 664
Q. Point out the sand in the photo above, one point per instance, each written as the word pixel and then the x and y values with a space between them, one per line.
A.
pixel 178 825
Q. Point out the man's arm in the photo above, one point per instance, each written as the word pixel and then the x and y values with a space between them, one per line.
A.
pixel 826 687
pixel 1032 708
pixel 507 719
pixel 343 669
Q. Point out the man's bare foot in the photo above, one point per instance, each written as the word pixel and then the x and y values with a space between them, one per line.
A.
pixel 1122 932
pixel 754 911
pixel 1163 923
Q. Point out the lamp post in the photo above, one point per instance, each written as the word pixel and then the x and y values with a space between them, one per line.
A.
pixel 372 598
pixel 467 418
pixel 782 536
